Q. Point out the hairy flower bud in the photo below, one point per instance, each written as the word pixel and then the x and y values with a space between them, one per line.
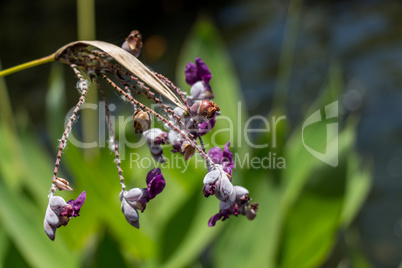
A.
pixel 133 43
pixel 187 149
pixel 251 211
pixel 142 120
pixel 202 111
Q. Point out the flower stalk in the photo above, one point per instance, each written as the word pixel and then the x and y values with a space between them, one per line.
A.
pixel 27 65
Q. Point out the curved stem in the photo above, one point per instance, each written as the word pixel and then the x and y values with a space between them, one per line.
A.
pixel 27 65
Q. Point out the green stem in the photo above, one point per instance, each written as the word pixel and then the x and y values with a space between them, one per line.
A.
pixel 27 65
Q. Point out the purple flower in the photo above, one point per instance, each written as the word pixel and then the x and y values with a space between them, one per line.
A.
pixel 77 204
pixel 205 127
pixel 59 213
pixel 156 182
pixel 240 206
pixel 224 213
pixel 220 216
pixel 197 72
pixel 224 158
pixel 198 76
pixel 137 199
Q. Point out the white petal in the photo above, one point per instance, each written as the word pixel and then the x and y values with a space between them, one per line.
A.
pixel 51 217
pixel 197 89
pixel 133 194
pixel 212 177
pixel 226 188
pixel 57 203
pixel 49 230
pixel 240 191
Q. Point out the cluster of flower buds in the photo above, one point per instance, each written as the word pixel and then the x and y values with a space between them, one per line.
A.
pixel 137 198
pixel 235 200
pixel 59 212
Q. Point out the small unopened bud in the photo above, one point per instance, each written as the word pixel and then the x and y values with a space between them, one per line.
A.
pixel 242 196
pixel 142 121
pixel 188 150
pixel 62 184
pixel 203 110
pixel 251 212
pixel 133 43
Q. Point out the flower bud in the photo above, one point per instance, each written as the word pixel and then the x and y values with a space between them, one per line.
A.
pixel 133 43
pixel 57 204
pixel 204 110
pixel 142 120
pixel 251 212
pixel 242 196
pixel 130 213
pixel 136 197
pixel 49 230
pixel 211 182
pixel 154 137
pixel 226 192
pixel 62 184
pixel 201 91
pixel 188 150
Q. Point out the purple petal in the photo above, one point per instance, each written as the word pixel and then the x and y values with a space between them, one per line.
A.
pixel 203 71
pixel 156 182
pixel 221 215
pixel 206 127
pixel 191 73
pixel 77 204
pixel 216 155
pixel 227 161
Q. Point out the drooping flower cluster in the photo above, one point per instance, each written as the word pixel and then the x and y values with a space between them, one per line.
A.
pixel 235 200
pixel 137 198
pixel 184 121
pixel 59 212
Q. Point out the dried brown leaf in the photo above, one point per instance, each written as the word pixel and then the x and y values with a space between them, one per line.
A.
pixel 131 63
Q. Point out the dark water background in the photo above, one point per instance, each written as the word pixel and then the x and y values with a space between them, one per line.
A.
pixel 363 37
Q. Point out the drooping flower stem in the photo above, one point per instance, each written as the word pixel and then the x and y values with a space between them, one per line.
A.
pixel 191 141
pixel 83 86
pixel 113 137
pixel 27 65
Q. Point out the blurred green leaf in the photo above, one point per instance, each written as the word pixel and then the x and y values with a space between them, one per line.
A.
pixel 4 244
pixel 55 101
pixel 358 185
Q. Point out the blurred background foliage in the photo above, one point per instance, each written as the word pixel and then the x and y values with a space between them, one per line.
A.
pixel 268 58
